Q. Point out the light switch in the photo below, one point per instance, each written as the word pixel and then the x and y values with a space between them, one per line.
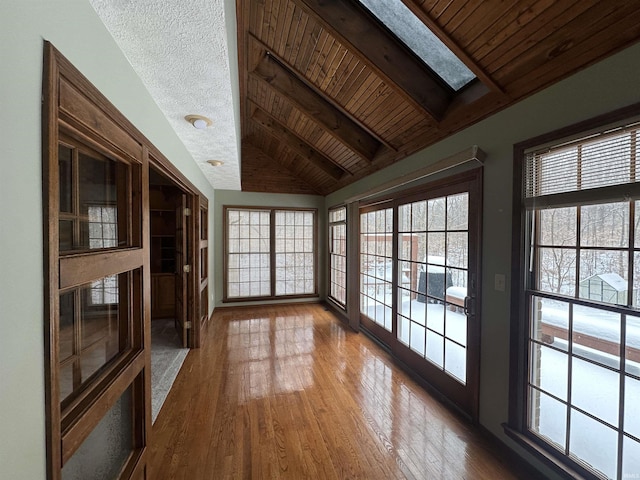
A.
pixel 499 282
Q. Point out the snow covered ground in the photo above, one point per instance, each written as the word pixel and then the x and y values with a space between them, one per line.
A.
pixel 595 390
pixel 444 340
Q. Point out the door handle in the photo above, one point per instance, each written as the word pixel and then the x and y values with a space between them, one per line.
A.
pixel 469 306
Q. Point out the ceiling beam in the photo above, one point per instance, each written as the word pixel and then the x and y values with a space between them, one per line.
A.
pixel 300 146
pixel 352 25
pixel 271 71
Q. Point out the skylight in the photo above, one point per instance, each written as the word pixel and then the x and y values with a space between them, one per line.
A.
pixel 416 35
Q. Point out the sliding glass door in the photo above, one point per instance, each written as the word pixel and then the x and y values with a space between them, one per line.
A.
pixel 419 264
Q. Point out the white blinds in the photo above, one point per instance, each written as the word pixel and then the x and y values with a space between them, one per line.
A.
pixel 602 160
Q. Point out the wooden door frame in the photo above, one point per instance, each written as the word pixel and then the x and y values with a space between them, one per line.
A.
pixel 194 200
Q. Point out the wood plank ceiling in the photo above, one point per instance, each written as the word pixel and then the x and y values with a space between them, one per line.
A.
pixel 329 96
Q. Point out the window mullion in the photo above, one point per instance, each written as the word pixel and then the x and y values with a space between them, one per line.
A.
pixel 272 251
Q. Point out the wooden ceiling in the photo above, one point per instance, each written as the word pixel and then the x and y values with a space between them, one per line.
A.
pixel 329 96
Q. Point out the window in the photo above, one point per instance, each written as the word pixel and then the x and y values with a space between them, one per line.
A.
pixel 338 255
pixel 270 252
pixel 411 31
pixel 580 300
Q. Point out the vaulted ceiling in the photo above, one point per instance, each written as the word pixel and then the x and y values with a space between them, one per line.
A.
pixel 328 95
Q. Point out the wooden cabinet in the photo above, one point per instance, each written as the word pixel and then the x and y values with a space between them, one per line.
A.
pixel 163 295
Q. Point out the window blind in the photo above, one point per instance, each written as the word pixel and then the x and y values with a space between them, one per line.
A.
pixel 598 161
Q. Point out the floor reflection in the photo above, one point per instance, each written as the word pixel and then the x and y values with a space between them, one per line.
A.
pixel 271 354
pixel 294 393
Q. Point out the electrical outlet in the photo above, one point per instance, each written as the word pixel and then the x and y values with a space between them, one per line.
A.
pixel 499 282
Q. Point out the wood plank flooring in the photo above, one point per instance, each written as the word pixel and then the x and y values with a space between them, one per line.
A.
pixel 290 392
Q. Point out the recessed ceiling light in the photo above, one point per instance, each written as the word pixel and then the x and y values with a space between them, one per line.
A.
pixel 215 163
pixel 198 121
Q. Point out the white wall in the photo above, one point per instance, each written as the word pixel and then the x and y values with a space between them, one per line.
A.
pixel 74 28
pixel 601 88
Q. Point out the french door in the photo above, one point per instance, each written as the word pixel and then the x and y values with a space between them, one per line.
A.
pixel 419 282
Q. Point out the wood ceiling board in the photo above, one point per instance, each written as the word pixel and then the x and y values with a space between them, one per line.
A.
pixel 497 29
pixel 282 133
pixel 392 60
pixel 523 38
pixel 581 37
pixel 548 73
pixel 486 22
pixel 453 10
pixel 261 173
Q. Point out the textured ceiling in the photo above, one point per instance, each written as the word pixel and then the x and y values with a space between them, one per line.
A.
pixel 179 50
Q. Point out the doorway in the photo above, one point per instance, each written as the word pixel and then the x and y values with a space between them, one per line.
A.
pixel 170 270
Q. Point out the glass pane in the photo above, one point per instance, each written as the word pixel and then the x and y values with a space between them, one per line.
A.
pixel 100 203
pixel 455 361
pixel 94 358
pixel 549 370
pixel 438 279
pixel 595 390
pixel 404 218
pixel 435 348
pixel 548 418
pixel 65 235
pixel 637 224
pixel 436 214
pixel 436 243
pixel 558 227
pixel 105 451
pixel 403 329
pixel 456 326
pixel 635 294
pixel 557 270
pixel 65 380
pixel 604 225
pixel 603 276
pixel 593 443
pixel 596 335
pixel 550 322
pixel 416 35
pixel 435 317
pixel 66 326
pixel 630 458
pixel 419 216
pixel 458 212
pixel 457 249
pixel 65 169
pixel 102 332
pixel 631 396
pixel 417 338
pixel 632 345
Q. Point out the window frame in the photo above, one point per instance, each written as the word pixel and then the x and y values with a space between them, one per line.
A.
pixel 75 114
pixel 272 253
pixel 517 425
pixel 340 304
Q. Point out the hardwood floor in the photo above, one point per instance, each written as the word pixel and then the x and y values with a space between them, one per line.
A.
pixel 290 392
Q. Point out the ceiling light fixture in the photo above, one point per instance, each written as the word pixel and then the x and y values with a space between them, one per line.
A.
pixel 198 121
pixel 215 163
